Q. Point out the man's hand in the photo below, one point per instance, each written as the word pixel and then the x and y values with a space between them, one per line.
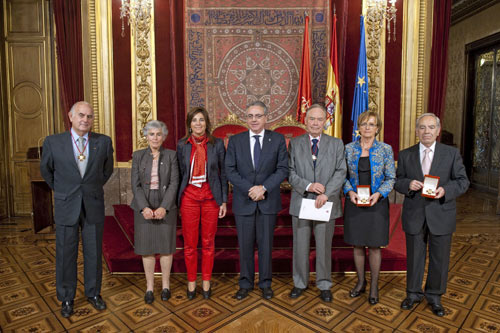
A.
pixel 316 188
pixel 148 213
pixel 320 200
pixel 415 185
pixel 353 196
pixel 222 210
pixel 256 192
pixel 374 198
pixel 439 193
pixel 159 213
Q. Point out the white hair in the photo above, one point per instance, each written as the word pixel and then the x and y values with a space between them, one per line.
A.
pixel 155 124
pixel 73 108
pixel 438 123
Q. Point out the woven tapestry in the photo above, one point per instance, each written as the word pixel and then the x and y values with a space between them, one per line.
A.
pixel 238 52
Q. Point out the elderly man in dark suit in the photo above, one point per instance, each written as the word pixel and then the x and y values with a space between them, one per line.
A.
pixel 317 171
pixel 256 164
pixel 429 221
pixel 76 165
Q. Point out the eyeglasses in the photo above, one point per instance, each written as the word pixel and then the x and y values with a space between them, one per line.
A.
pixel 368 125
pixel 256 116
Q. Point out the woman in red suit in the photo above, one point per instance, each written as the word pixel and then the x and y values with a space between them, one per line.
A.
pixel 202 195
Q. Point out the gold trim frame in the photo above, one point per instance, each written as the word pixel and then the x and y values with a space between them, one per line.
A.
pixel 375 34
pixel 142 44
pixel 97 49
pixel 417 30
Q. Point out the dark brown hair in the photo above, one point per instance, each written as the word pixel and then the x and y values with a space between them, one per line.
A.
pixel 189 119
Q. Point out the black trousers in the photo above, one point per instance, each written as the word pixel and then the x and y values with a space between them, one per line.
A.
pixel 256 227
pixel 439 259
pixel 67 238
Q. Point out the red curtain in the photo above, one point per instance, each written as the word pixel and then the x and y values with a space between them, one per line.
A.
pixel 169 40
pixel 439 57
pixel 69 54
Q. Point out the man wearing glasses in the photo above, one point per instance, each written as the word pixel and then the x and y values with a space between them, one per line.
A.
pixel 256 164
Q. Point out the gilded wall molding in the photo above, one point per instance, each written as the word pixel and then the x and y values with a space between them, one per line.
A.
pixel 143 77
pixel 417 30
pixel 97 50
pixel 375 31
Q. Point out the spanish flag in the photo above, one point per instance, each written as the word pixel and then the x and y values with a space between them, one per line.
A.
pixel 304 99
pixel 333 124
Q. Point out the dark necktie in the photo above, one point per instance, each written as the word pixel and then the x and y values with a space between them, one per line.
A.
pixel 256 151
pixel 314 150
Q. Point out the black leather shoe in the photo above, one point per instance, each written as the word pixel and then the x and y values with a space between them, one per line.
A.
pixel 190 294
pixel 267 293
pixel 67 309
pixel 165 294
pixel 355 293
pixel 373 300
pixel 242 293
pixel 206 293
pixel 97 302
pixel 296 292
pixel 149 297
pixel 326 295
pixel 408 303
pixel 437 309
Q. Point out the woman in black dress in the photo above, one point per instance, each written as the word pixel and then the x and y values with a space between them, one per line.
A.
pixel 369 162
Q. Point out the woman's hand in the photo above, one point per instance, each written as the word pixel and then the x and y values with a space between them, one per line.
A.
pixel 160 213
pixel 148 213
pixel 353 196
pixel 374 198
pixel 222 210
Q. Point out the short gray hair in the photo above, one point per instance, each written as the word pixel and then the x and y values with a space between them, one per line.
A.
pixel 438 123
pixel 258 103
pixel 77 104
pixel 316 106
pixel 155 124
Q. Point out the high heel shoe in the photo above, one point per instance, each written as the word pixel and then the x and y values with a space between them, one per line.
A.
pixel 190 294
pixel 373 300
pixel 206 293
pixel 355 293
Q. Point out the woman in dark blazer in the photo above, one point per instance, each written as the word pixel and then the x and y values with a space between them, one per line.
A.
pixel 202 195
pixel 155 179
pixel 369 162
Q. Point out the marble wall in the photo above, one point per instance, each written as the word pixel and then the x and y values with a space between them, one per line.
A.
pixel 481 25
pixel 117 190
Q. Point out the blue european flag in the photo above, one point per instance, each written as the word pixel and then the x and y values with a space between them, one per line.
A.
pixel 360 102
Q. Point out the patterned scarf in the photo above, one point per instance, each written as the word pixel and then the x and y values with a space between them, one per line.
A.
pixel 198 159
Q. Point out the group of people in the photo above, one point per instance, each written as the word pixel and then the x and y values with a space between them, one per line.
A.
pixel 193 183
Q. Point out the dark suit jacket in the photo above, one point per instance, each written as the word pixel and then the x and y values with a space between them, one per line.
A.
pixel 59 169
pixel 168 174
pixel 216 174
pixel 272 170
pixel 439 214
pixel 330 171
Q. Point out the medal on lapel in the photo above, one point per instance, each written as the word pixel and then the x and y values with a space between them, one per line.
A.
pixel 81 157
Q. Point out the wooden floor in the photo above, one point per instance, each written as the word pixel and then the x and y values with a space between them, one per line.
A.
pixel 472 304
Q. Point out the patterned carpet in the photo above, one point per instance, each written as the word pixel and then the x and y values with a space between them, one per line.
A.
pixel 472 302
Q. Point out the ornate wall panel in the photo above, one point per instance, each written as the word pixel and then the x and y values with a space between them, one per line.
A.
pixel 143 78
pixel 28 85
pixel 417 31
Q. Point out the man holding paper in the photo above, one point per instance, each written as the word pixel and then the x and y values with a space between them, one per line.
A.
pixel 317 171
pixel 429 218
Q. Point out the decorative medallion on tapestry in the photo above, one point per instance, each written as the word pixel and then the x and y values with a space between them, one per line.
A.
pixel 237 55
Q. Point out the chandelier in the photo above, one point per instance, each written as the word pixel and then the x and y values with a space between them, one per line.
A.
pixel 387 11
pixel 133 11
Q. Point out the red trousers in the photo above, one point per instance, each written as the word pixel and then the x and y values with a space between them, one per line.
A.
pixel 198 205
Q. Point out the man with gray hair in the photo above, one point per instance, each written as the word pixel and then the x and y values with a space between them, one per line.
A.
pixel 317 171
pixel 76 164
pixel 429 221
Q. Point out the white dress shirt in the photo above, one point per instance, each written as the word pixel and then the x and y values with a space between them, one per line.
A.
pixel 74 142
pixel 252 141
pixel 431 153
